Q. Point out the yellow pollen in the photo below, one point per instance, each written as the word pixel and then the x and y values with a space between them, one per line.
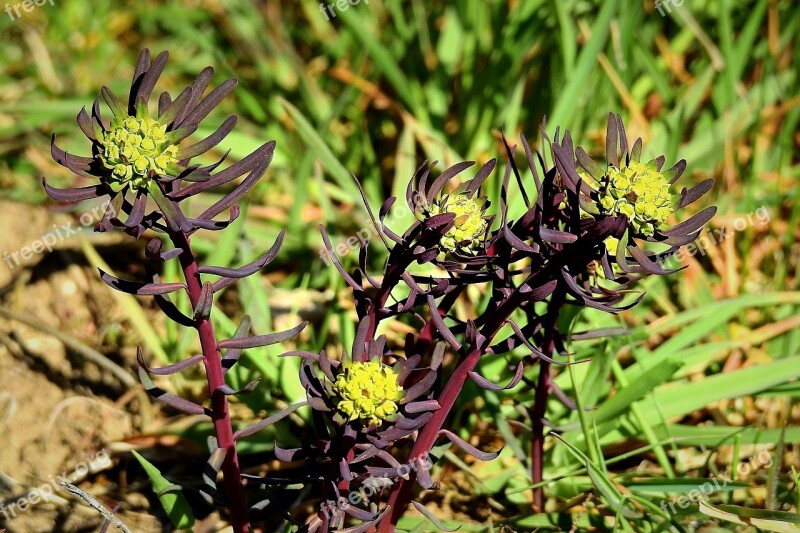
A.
pixel 368 392
pixel 469 226
pixel 132 148
pixel 639 192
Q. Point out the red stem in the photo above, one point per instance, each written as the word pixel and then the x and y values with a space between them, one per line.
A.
pixel 401 492
pixel 220 414
pixel 375 314
pixel 537 414
pixel 539 409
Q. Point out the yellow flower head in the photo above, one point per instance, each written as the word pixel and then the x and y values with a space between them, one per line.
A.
pixel 469 226
pixel 132 148
pixel 368 392
pixel 639 192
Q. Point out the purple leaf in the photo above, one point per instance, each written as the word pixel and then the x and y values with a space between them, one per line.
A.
pixel 204 302
pixel 139 288
pixel 170 369
pixel 137 212
pixel 199 86
pixel 318 404
pixel 73 195
pixel 358 513
pixel 369 211
pixel 172 213
pixel 421 407
pixel 488 385
pixel 147 82
pixel 237 193
pixel 263 340
pixel 209 142
pixel 211 471
pixel 623 137
pixel 85 124
pixel 446 176
pixel 215 225
pixel 232 354
pixel 141 68
pixel 419 388
pixel 612 156
pixel 366 526
pixel 469 448
pixel 511 152
pixel 689 196
pixel 227 390
pixel 283 454
pixel 250 268
pixel 474 185
pixel 555 236
pixel 444 331
pixel 181 404
pixel 154 253
pixel 360 341
pixel 164 100
pixel 247 164
pixel 644 260
pixel 636 151
pixel 208 103
pixel 413 424
pixel 335 260
pixel 516 242
pixel 171 310
pixel 675 172
pixel 423 474
pixel 692 224
pixel 169 110
pixel 439 222
pixel 531 162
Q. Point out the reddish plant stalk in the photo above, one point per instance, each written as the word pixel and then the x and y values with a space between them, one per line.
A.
pixel 539 409
pixel 401 492
pixel 220 414
pixel 543 388
pixel 393 276
pixel 537 414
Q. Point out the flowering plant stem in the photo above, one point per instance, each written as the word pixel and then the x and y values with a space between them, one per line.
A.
pixel 220 414
pixel 539 408
pixel 578 253
pixel 378 301
pixel 401 493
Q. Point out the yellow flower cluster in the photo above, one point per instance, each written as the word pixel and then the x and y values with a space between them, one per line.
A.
pixel 132 148
pixel 639 192
pixel 469 226
pixel 368 391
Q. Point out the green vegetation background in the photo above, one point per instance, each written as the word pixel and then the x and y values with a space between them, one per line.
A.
pixel 712 362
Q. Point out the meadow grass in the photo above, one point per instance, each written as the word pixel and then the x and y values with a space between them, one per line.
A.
pixel 706 375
